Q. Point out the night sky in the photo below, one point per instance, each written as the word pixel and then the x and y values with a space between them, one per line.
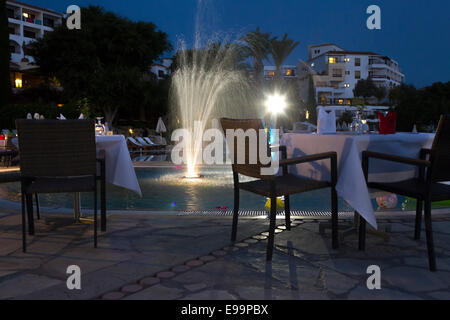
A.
pixel 414 32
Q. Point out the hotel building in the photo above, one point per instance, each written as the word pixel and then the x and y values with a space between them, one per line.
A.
pixel 336 71
pixel 27 23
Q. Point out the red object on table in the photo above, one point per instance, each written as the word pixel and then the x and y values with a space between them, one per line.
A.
pixel 388 123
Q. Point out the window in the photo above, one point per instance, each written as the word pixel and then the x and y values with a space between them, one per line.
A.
pixel 18 80
pixel 271 73
pixel 341 101
pixel 331 60
pixel 11 13
pixel 357 62
pixel 347 72
pixel 161 73
pixel 290 73
pixel 29 34
pixel 357 74
pixel 337 73
pixel 12 30
pixel 12 49
pixel 49 22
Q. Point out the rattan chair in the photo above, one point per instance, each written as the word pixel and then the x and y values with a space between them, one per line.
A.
pixel 434 168
pixel 15 176
pixel 58 157
pixel 273 186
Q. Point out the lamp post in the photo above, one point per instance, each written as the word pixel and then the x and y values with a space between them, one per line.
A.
pixel 275 104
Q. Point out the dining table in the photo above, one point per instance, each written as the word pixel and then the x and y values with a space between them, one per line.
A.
pixel 119 170
pixel 351 184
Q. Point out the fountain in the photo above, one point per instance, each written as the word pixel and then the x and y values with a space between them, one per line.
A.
pixel 206 85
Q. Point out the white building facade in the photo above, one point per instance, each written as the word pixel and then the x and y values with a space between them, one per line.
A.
pixel 287 72
pixel 336 71
pixel 26 23
pixel 162 70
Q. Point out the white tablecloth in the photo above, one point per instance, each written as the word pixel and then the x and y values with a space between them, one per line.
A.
pixel 351 185
pixel 119 168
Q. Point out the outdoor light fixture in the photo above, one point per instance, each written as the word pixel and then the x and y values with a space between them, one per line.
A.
pixel 60 105
pixel 18 83
pixel 275 104
pixel 131 131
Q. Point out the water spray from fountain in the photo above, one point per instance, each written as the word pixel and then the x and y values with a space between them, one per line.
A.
pixel 206 85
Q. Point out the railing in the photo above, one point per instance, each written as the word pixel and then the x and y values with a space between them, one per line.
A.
pixel 14 16
pixel 29 34
pixel 31 20
pixel 375 76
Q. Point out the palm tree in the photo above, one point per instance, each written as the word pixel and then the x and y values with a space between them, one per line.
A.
pixel 281 49
pixel 257 45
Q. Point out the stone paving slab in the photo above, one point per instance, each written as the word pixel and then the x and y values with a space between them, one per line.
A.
pixel 194 259
pixel 133 248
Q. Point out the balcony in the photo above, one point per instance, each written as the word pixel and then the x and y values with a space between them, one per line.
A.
pixel 16 57
pixel 13 13
pixel 375 64
pixel 33 21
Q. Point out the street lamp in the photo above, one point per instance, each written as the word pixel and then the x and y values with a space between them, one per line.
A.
pixel 275 104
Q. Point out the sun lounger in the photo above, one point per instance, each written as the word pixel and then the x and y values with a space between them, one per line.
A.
pixel 135 145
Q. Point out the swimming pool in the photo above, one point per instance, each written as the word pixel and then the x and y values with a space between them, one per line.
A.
pixel 164 190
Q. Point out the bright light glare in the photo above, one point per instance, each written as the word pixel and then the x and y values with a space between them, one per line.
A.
pixel 275 103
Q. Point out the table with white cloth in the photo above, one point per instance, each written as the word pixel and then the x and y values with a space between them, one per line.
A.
pixel 351 185
pixel 119 167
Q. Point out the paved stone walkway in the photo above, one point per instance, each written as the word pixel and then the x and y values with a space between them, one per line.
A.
pixel 182 257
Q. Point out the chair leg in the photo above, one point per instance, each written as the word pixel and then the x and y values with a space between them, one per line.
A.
pixel 103 205
pixel 273 215
pixel 24 226
pixel 362 234
pixel 287 212
pixel 38 214
pixel 29 202
pixel 418 220
pixel 95 217
pixel 235 214
pixel 334 219
pixel 429 234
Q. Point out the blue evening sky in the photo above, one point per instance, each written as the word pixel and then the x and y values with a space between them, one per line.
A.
pixel 414 32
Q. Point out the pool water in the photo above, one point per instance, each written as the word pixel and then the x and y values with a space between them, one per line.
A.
pixel 164 189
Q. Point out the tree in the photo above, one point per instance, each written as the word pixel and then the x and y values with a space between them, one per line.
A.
pixel 5 82
pixel 421 107
pixel 106 61
pixel 366 89
pixel 257 45
pixel 311 105
pixel 281 49
pixel 380 93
